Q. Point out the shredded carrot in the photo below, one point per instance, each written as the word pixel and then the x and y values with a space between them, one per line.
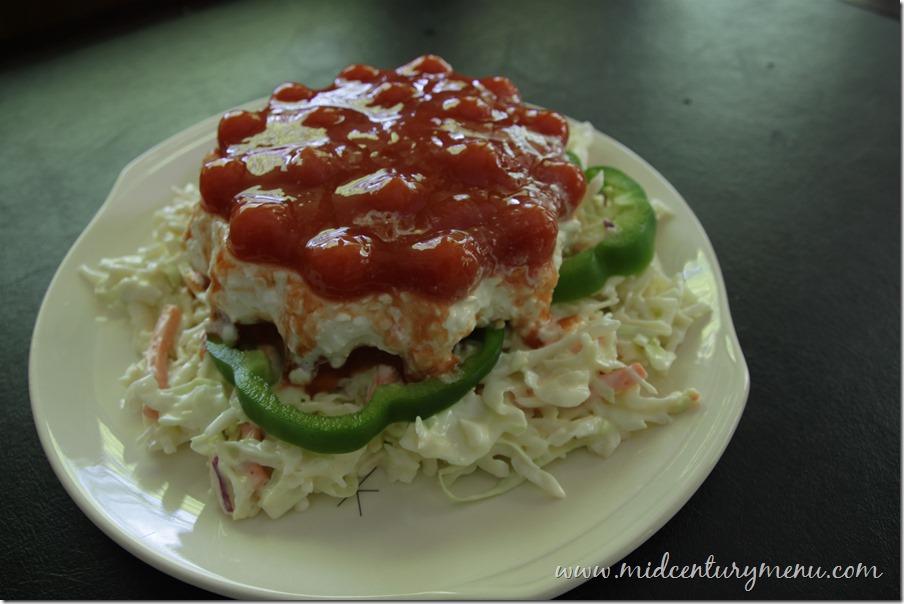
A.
pixel 194 281
pixel 258 474
pixel 625 377
pixel 568 322
pixel 150 413
pixel 385 374
pixel 532 411
pixel 249 430
pixel 162 341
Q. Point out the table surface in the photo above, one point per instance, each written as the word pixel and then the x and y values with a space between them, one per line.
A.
pixel 779 122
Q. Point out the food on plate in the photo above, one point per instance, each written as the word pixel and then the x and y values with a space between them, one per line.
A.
pixel 408 269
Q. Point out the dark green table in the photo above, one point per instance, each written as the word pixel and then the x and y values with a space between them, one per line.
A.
pixel 779 122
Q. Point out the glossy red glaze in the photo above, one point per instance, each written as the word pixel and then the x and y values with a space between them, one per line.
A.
pixel 416 179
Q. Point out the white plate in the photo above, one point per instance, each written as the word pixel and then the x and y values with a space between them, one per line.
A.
pixel 399 541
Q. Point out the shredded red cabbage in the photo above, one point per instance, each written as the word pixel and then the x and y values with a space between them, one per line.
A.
pixel 224 493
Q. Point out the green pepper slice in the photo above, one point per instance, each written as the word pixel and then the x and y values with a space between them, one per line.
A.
pixel 389 404
pixel 626 250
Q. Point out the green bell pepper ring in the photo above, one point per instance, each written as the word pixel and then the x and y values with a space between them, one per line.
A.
pixel 389 404
pixel 573 158
pixel 626 250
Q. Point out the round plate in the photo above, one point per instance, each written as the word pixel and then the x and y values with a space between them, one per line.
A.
pixel 391 540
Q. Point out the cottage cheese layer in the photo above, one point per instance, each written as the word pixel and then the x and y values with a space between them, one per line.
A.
pixel 420 330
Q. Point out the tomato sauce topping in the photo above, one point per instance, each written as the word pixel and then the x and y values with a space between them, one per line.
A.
pixel 416 179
